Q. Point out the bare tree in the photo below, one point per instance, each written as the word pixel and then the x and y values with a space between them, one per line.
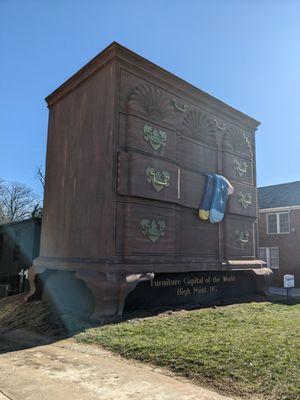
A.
pixel 17 202
pixel 40 175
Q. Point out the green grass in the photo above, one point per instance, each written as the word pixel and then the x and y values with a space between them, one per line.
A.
pixel 244 349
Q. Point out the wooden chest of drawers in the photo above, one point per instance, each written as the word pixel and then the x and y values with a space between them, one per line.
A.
pixel 128 145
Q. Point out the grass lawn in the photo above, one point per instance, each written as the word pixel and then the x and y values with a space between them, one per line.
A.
pixel 244 349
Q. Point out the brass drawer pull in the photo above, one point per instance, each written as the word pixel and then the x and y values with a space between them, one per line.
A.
pixel 156 138
pixel 242 237
pixel 161 183
pixel 158 178
pixel 240 167
pixel 245 199
pixel 249 145
pixel 220 125
pixel 153 230
pixel 182 109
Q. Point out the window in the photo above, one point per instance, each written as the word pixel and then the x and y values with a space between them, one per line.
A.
pixel 278 223
pixel 284 222
pixel 270 255
pixel 272 223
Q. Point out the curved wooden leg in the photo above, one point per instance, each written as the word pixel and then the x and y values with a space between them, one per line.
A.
pixel 110 291
pixel 32 272
pixel 262 278
pixel 129 284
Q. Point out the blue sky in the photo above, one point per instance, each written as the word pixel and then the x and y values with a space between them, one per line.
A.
pixel 246 53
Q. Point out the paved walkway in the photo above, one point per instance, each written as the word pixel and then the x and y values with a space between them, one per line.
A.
pixel 3 397
pixel 67 370
pixel 278 291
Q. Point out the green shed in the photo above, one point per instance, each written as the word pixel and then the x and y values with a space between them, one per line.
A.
pixel 19 246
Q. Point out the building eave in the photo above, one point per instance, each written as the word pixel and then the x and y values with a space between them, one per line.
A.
pixel 278 209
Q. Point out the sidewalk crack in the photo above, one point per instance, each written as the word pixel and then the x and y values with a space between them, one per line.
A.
pixel 5 395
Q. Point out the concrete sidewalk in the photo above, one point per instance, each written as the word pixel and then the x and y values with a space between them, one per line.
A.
pixel 67 370
pixel 3 397
pixel 281 292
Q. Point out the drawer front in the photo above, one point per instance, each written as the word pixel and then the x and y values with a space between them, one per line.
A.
pixel 136 133
pixel 192 155
pixel 238 168
pixel 197 237
pixel 147 177
pixel 243 200
pixel 143 98
pixel 144 229
pixel 239 237
pixel 192 187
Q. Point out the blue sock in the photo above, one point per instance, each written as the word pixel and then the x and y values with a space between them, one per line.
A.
pixel 207 197
pixel 222 190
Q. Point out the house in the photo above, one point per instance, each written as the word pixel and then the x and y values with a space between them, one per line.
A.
pixel 279 229
pixel 19 245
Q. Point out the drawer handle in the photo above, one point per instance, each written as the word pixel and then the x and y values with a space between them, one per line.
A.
pixel 158 178
pixel 219 125
pixel 248 144
pixel 156 138
pixel 242 237
pixel 245 199
pixel 240 167
pixel 182 109
pixel 152 229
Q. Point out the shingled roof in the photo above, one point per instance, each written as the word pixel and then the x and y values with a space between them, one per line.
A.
pixel 285 194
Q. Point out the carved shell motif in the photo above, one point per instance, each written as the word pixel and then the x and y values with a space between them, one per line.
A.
pixel 237 141
pixel 150 101
pixel 198 125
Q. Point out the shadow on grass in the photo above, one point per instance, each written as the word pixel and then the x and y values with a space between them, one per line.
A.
pixel 218 303
pixel 26 325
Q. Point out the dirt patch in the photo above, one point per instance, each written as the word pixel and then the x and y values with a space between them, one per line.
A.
pixel 42 318
pixel 38 317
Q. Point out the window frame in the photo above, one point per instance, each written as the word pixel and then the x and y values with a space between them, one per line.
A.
pixel 268 256
pixel 278 223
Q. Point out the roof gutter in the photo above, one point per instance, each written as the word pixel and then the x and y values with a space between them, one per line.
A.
pixel 278 209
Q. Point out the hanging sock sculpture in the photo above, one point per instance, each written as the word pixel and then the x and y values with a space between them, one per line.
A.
pixel 207 197
pixel 213 204
pixel 222 190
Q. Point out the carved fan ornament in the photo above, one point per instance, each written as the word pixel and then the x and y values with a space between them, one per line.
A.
pixel 237 141
pixel 150 102
pixel 198 125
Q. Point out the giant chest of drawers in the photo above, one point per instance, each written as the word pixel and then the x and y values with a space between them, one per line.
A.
pixel 128 145
pixel 165 145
